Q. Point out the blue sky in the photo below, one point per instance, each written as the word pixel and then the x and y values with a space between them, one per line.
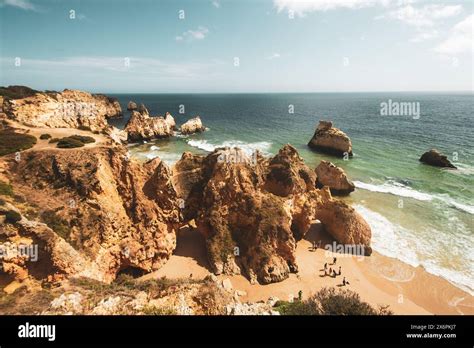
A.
pixel 279 45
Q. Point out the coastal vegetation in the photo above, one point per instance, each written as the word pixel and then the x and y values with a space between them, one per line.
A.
pixel 74 141
pixel 329 301
pixel 11 141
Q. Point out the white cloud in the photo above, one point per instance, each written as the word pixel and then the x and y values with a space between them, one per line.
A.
pixel 137 66
pixel 425 16
pixel 274 56
pixel 216 4
pixel 301 7
pixel 460 39
pixel 425 35
pixel 199 34
pixel 22 4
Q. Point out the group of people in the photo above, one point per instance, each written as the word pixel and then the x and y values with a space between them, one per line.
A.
pixel 332 271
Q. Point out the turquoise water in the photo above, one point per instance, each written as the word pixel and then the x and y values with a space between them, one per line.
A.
pixel 419 214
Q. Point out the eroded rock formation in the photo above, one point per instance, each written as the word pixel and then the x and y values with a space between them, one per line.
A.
pixel 193 125
pixel 343 223
pixel 253 211
pixel 331 140
pixel 437 159
pixel 68 109
pixel 132 106
pixel 141 126
pixel 333 177
pixel 108 212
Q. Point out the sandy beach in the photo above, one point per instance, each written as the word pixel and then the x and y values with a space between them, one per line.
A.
pixel 379 280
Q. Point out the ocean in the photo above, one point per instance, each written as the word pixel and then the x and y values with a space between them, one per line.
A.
pixel 419 214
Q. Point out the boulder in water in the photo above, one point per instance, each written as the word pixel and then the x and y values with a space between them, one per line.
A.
pixel 437 159
pixel 330 140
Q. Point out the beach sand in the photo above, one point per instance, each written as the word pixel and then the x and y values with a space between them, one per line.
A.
pixel 379 280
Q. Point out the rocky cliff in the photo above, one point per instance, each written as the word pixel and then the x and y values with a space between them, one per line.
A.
pixel 108 213
pixel 252 211
pixel 68 109
pixel 96 213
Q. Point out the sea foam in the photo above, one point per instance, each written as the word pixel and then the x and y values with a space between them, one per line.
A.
pixel 401 190
pixel 416 249
pixel 248 148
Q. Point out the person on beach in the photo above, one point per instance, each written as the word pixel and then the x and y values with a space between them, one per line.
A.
pixel 330 270
pixel 344 281
pixel 325 266
pixel 334 261
pixel 339 273
pixel 300 295
pixel 334 274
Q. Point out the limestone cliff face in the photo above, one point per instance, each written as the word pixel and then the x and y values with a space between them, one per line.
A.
pixel 193 125
pixel 118 214
pixel 68 109
pixel 141 126
pixel 330 140
pixel 251 211
pixel 97 213
pixel 343 223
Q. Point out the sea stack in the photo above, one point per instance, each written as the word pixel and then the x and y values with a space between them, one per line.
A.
pixel 143 127
pixel 132 106
pixel 328 174
pixel 330 140
pixel 437 159
pixel 193 125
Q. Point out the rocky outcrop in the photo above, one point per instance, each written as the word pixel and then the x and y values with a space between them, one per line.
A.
pixel 141 126
pixel 328 174
pixel 437 159
pixel 343 223
pixel 192 126
pixel 330 140
pixel 251 213
pixel 142 109
pixel 98 213
pixel 132 106
pixel 68 109
pixel 108 212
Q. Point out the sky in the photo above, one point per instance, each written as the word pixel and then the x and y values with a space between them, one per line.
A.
pixel 237 46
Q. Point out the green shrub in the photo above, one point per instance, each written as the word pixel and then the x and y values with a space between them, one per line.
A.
pixel 12 216
pixel 69 143
pixel 329 301
pixel 11 142
pixel 75 141
pixel 6 189
pixel 57 224
pixel 152 310
pixel 45 136
pixel 83 138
